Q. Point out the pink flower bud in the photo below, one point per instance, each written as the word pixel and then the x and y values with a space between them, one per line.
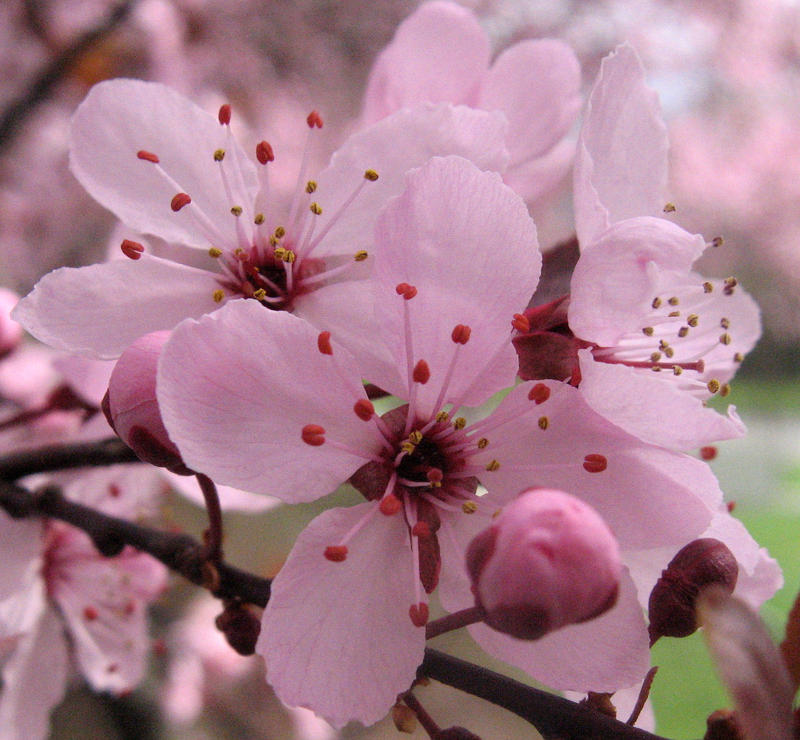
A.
pixel 131 407
pixel 547 560
pixel 10 330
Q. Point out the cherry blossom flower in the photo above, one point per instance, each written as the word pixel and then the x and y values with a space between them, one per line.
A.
pixel 342 633
pixel 167 168
pixel 70 605
pixel 441 53
pixel 658 338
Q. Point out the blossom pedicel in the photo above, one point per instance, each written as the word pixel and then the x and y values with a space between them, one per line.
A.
pixel 547 560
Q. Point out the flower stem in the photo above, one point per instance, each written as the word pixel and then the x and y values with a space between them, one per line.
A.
pixel 454 621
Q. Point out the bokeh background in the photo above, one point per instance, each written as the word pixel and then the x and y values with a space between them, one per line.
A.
pixel 728 73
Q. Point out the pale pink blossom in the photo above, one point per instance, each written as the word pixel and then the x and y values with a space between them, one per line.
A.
pixel 635 301
pixel 167 168
pixel 441 53
pixel 70 606
pixel 342 633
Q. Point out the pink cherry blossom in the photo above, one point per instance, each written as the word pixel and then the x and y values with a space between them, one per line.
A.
pixel 342 631
pixel 441 53
pixel 72 606
pixel 167 168
pixel 635 301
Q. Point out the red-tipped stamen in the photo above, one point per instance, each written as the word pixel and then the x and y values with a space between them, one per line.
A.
pixel 324 343
pixel 539 393
pixel 595 463
pixel 520 323
pixel 180 200
pixel 336 553
pixel 364 409
pixel 313 434
pixel 422 373
pixel 390 504
pixel 131 249
pixel 419 614
pixel 421 529
pixel 224 115
pixel 708 453
pixel 406 290
pixel 264 152
pixel 148 156
pixel 461 334
pixel 314 119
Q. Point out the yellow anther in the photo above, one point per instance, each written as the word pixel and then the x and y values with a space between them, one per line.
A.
pixel 692 319
pixel 725 338
pixel 738 357
pixel 670 207
pixel 219 155
pixel 673 301
pixel 311 186
pixel 442 417
pixel 669 352
pixel 707 287
pixel 259 219
pixel 683 331
pixel 315 208
pixel 218 295
pixel 725 323
pixel 407 447
pixel 656 368
pixel 236 211
pixel 674 314
pixel 482 442
pixel 279 232
pixel 415 437
pixel 370 175
pixel 469 507
pixel 214 252
pixel 717 241
pixel 677 369
pixel 725 390
pixel 492 466
pixel 544 422
pixel 361 255
pixel 648 331
pixel 459 422
pixel 279 253
pixel 260 294
pixel 655 356
pixel 273 242
pixel 656 302
pixel 713 385
pixel 290 256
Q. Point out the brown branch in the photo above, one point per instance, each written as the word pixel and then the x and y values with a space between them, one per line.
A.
pixel 64 457
pixel 179 552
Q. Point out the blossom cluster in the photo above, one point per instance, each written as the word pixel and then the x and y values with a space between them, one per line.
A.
pixel 255 335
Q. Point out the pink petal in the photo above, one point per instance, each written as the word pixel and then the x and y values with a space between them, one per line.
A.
pixel 653 408
pixel 236 390
pixel 337 637
pixel 121 117
pixel 101 309
pixel 537 85
pixel 621 163
pixel 647 495
pixel 534 179
pixel 34 679
pixel 439 53
pixel 86 377
pixel 466 242
pixel 405 140
pixel 614 283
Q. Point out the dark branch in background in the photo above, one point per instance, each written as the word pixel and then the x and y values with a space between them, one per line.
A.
pixel 552 715
pixel 55 71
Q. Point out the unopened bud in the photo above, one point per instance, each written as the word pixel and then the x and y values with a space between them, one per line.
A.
pixel 672 601
pixel 131 407
pixel 240 626
pixel 547 560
